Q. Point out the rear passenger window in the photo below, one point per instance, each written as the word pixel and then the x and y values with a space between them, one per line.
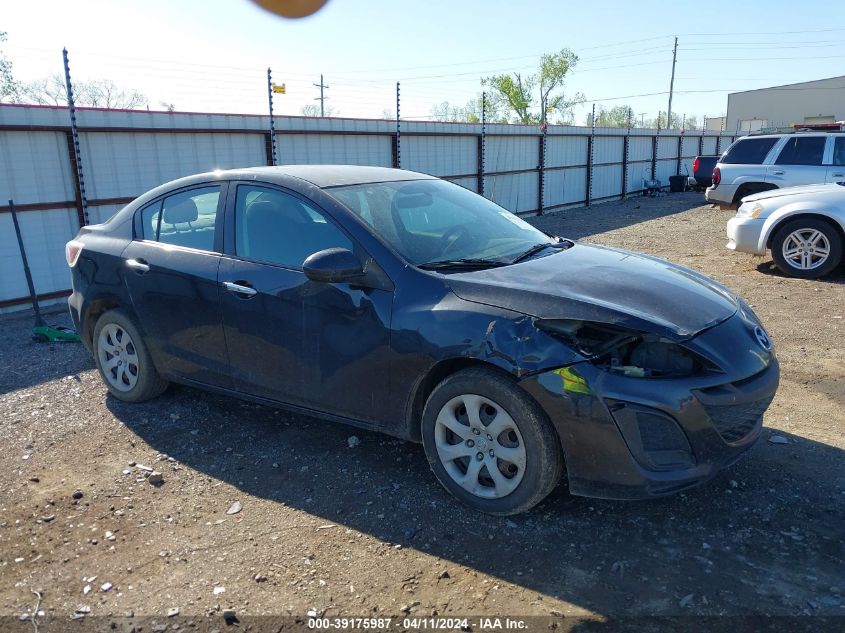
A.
pixel 839 151
pixel 278 228
pixel 749 151
pixel 183 219
pixel 802 150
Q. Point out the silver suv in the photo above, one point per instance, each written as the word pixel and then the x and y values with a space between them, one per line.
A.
pixel 753 164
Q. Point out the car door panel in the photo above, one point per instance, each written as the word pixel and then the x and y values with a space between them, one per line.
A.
pixel 800 162
pixel 316 345
pixel 177 303
pixel 175 292
pixel 836 171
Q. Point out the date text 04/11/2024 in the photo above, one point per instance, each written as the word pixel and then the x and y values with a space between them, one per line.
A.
pixel 418 624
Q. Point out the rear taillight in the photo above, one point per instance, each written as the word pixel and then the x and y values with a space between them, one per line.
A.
pixel 695 165
pixel 72 251
pixel 717 176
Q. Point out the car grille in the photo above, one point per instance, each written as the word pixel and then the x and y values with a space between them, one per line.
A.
pixel 736 421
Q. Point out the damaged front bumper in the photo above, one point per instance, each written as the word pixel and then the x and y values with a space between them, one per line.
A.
pixel 633 438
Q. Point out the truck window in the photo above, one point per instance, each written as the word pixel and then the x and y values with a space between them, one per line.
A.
pixel 839 151
pixel 802 150
pixel 749 151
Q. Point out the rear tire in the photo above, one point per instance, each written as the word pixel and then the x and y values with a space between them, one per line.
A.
pixel 123 360
pixel 489 443
pixel 749 189
pixel 807 248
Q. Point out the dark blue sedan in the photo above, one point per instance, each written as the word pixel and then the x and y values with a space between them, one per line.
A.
pixel 399 302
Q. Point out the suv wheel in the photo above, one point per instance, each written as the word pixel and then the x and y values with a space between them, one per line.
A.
pixel 489 443
pixel 123 360
pixel 807 248
pixel 750 189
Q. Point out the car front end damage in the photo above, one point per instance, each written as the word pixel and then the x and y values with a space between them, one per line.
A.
pixel 631 431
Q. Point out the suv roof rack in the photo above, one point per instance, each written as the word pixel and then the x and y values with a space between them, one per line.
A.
pixel 802 128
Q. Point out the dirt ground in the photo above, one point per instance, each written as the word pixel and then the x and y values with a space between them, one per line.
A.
pixel 366 530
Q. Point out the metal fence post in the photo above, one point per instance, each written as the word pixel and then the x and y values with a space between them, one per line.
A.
pixel 272 152
pixel 541 174
pixel 590 143
pixel 398 153
pixel 481 146
pixel 680 152
pixel 626 145
pixel 654 146
pixel 82 200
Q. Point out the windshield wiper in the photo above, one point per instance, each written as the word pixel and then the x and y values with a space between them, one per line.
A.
pixel 466 262
pixel 563 244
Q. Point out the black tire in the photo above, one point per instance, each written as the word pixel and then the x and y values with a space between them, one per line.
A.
pixel 749 189
pixel 147 382
pixel 543 463
pixel 824 227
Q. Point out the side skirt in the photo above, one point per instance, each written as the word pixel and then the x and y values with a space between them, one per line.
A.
pixel 276 404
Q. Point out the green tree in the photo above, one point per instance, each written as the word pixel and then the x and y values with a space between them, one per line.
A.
pixel 9 88
pixel 618 116
pixel 471 112
pixel 531 98
pixel 312 109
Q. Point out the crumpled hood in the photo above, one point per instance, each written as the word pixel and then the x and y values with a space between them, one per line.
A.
pixel 803 190
pixel 608 285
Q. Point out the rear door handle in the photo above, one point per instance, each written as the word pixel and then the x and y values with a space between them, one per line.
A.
pixel 240 289
pixel 138 265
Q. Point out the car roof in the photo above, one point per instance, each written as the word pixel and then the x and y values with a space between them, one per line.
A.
pixel 325 175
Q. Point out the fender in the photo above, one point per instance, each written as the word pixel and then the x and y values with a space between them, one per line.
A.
pixel 782 214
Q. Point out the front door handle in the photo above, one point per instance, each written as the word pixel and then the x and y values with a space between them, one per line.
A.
pixel 138 265
pixel 778 173
pixel 837 175
pixel 240 289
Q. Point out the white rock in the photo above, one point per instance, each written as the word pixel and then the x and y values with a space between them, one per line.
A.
pixel 353 441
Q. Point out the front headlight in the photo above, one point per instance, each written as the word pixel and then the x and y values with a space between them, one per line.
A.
pixel 750 210
pixel 626 352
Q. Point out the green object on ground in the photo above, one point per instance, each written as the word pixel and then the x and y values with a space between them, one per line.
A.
pixel 54 334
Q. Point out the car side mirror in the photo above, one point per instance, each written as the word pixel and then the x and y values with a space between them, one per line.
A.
pixel 333 265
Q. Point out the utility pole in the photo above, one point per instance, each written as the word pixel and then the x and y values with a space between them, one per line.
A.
pixel 322 98
pixel 672 85
pixel 642 118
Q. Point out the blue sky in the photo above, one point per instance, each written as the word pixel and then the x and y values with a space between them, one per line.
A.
pixel 212 56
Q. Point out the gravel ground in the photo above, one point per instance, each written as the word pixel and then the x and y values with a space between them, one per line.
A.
pixel 266 512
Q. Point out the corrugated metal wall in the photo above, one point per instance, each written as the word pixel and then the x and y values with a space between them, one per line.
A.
pixel 125 153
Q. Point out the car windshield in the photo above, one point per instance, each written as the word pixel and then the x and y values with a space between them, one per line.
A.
pixel 431 221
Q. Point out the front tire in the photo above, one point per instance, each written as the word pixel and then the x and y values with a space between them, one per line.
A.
pixel 807 248
pixel 122 358
pixel 489 443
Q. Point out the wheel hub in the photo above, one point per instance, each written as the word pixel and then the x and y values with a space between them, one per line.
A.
pixel 479 446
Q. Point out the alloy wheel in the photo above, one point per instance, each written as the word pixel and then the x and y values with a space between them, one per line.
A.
pixel 806 249
pixel 480 446
pixel 118 357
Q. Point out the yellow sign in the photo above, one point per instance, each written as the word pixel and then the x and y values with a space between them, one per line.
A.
pixel 279 89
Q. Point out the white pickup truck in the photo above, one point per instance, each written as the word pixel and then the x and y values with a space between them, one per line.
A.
pixel 757 163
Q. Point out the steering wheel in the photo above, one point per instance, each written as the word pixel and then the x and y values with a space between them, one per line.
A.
pixel 452 237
